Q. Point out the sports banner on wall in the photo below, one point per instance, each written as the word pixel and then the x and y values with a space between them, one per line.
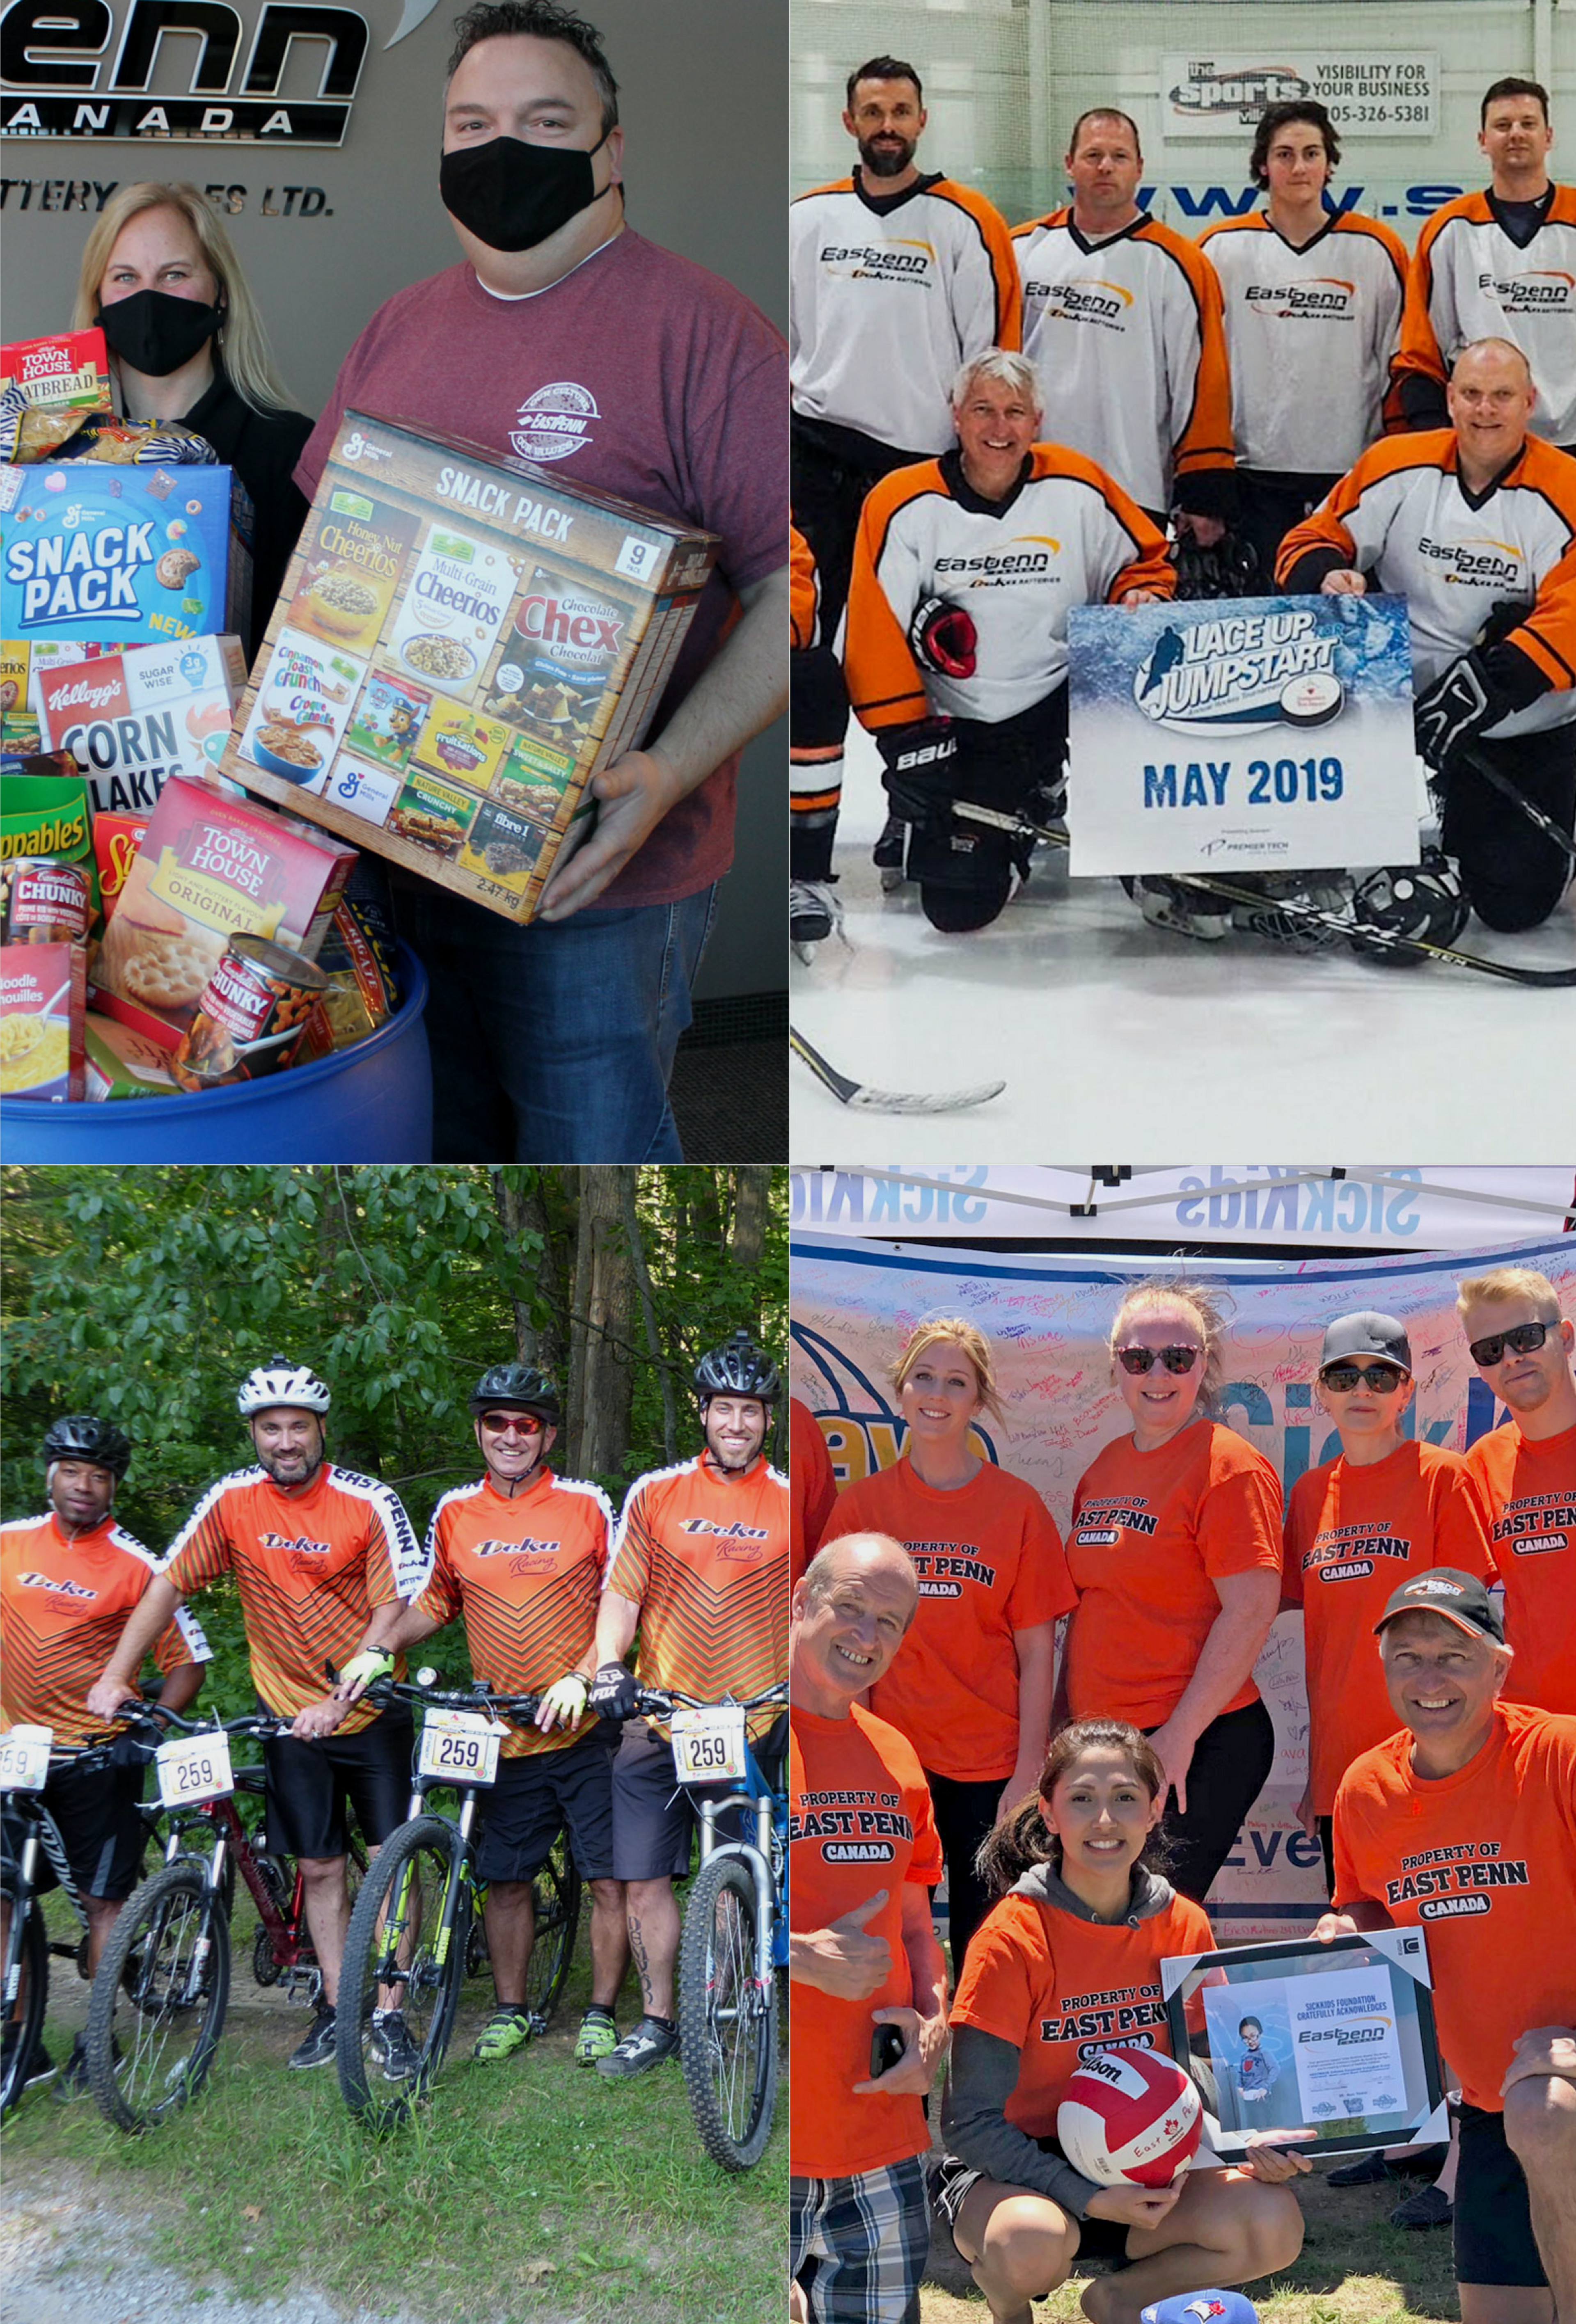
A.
pixel 1370 94
pixel 1047 1317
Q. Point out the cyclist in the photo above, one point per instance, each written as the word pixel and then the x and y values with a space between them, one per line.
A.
pixel 521 1553
pixel 325 1561
pixel 701 1565
pixel 69 1582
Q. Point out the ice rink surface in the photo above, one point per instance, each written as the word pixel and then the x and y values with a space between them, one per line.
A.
pixel 1114 1038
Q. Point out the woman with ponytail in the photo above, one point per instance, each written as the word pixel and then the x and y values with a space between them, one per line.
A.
pixel 1067 1964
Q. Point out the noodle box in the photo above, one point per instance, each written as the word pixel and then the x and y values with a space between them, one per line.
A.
pixel 43 998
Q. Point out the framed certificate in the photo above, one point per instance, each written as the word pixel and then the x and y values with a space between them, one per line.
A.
pixel 1331 2044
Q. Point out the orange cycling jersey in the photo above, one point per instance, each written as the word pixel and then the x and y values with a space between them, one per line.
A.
pixel 1530 1485
pixel 527 1573
pixel 813 1484
pixel 703 1553
pixel 1352 1535
pixel 310 1567
pixel 63 1605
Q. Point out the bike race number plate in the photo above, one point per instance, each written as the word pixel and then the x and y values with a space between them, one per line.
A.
pixel 459 1746
pixel 194 1767
pixel 24 1758
pixel 709 1746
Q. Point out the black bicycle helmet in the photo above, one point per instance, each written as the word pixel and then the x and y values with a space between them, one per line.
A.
pixel 738 1369
pixel 83 1436
pixel 519 1387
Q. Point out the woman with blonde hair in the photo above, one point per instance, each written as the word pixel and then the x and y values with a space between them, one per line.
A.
pixel 971 1687
pixel 187 348
pixel 1175 1552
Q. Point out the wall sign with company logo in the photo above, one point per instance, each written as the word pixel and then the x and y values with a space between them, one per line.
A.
pixel 85 69
pixel 1368 94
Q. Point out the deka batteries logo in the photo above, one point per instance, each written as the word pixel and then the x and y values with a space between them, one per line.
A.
pixel 1242 670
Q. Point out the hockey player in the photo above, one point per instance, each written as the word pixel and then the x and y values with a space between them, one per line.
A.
pixel 1501 262
pixel 1311 295
pixel 1125 315
pixel 1476 526
pixel 818 704
pixel 965 570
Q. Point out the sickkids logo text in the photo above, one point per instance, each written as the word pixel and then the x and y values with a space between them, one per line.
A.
pixel 1240 672
pixel 86 69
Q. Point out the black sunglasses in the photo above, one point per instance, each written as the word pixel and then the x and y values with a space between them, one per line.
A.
pixel 1522 1337
pixel 1383 1378
pixel 1144 1360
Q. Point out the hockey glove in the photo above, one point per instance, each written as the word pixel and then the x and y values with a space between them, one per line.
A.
pixel 1458 707
pixel 614 1692
pixel 917 767
pixel 943 638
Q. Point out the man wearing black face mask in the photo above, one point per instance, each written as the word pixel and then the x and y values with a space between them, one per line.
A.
pixel 566 338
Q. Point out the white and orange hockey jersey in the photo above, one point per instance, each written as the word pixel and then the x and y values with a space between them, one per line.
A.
pixel 1310 333
pixel 1404 513
pixel 888 295
pixel 1131 349
pixel 1470 281
pixel 1066 536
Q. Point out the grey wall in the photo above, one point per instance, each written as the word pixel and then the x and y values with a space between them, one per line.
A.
pixel 703 101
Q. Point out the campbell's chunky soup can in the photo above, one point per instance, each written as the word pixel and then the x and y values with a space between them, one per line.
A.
pixel 251 1015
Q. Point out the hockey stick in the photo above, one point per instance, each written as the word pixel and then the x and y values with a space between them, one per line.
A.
pixel 875 1101
pixel 1508 790
pixel 1309 914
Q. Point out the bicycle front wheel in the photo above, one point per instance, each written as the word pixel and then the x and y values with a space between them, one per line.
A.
pixel 555 1896
pixel 28 1961
pixel 400 1977
pixel 728 2032
pixel 159 1998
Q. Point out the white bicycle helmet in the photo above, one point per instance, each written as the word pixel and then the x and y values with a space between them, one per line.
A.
pixel 280 1382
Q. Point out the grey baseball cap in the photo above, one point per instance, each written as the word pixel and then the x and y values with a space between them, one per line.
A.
pixel 1445 1589
pixel 1366 1335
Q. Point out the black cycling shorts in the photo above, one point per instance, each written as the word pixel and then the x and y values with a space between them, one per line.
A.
pixel 1493 2238
pixel 104 1835
pixel 654 1814
pixel 533 1797
pixel 308 1784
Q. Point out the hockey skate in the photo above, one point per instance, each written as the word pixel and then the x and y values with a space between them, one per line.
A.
pixel 1187 912
pixel 887 856
pixel 813 913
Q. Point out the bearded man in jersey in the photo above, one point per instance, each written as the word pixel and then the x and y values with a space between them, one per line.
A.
pixel 1464 1824
pixel 700 1566
pixel 1475 525
pixel 1500 263
pixel 964 571
pixel 324 1561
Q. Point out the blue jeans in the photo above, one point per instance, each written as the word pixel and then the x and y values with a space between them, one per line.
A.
pixel 555 1043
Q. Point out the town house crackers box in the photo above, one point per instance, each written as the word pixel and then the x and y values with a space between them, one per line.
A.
pixel 461 644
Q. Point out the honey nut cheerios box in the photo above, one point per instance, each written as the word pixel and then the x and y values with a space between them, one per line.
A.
pixel 462 642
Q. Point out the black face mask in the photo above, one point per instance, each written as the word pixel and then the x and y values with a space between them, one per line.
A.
pixel 511 196
pixel 155 333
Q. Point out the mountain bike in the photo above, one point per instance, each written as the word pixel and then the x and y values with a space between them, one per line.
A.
pixel 418 1927
pixel 27 1759
pixel 162 1991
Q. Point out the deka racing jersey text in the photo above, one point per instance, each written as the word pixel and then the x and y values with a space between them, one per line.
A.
pixel 942 1567
pixel 64 575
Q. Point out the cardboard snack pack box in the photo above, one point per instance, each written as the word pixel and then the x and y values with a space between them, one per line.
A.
pixel 129 555
pixel 462 642
pixel 133 720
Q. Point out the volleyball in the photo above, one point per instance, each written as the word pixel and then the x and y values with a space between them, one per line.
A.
pixel 1129 2118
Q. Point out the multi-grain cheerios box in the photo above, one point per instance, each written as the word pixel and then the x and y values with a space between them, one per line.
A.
pixel 461 644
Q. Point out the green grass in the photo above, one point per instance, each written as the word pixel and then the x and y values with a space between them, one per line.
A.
pixel 524 2192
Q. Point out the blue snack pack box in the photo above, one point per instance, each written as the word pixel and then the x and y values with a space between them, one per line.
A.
pixel 139 556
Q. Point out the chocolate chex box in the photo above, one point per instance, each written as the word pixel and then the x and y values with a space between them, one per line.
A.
pixel 461 644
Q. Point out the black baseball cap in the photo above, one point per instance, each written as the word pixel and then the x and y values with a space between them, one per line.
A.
pixel 1445 1589
pixel 1367 1334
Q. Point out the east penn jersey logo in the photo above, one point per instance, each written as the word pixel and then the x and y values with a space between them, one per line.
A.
pixel 92 71
pixel 1541 290
pixel 1327 295
pixel 1536 1524
pixel 1240 673
pixel 850 1835
pixel 899 260
pixel 1348 1553
pixel 1027 557
pixel 1478 562
pixel 73 1590
pixel 1091 300
pixel 1450 1883
pixel 554 422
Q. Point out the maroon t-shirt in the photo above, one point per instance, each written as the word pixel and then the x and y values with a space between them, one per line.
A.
pixel 658 380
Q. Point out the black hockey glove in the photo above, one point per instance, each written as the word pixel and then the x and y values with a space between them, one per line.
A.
pixel 612 1692
pixel 943 638
pixel 1458 707
pixel 916 768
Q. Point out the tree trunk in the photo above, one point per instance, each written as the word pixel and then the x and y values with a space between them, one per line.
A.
pixel 514 1209
pixel 752 1191
pixel 642 1273
pixel 600 1379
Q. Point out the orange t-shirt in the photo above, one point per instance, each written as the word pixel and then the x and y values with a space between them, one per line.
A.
pixel 1485 1862
pixel 990 1561
pixel 1061 1990
pixel 310 1568
pixel 858 1820
pixel 528 1573
pixel 63 1605
pixel 1352 1536
pixel 811 1484
pixel 704 1556
pixel 1530 1486
pixel 1152 1532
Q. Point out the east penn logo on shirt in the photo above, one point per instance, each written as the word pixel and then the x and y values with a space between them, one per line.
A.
pixel 901 261
pixel 1352 1560
pixel 1116 2024
pixel 1478 561
pixel 852 1835
pixel 555 421
pixel 1092 300
pixel 1533 1526
pixel 1542 290
pixel 942 1567
pixel 1326 298
pixel 1000 570
pixel 1450 1892
pixel 59 1588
